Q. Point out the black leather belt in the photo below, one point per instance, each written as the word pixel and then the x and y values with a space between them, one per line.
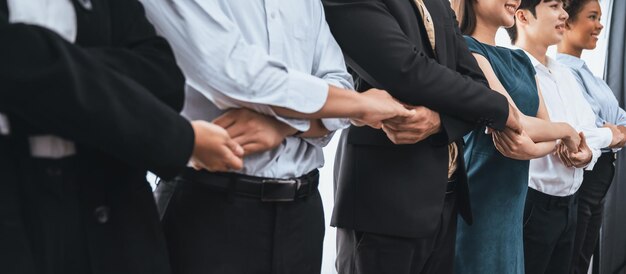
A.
pixel 267 189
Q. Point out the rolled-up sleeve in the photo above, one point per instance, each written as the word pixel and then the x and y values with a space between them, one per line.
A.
pixel 597 139
pixel 329 65
pixel 221 65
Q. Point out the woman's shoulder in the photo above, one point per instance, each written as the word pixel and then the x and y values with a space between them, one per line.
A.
pixel 476 46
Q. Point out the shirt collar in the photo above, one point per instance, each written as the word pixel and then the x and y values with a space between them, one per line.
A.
pixel 552 66
pixel 569 60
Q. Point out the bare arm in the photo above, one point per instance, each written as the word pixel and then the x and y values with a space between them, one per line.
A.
pixel 539 128
pixel 370 107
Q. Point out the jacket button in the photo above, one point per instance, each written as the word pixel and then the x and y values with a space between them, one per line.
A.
pixel 102 214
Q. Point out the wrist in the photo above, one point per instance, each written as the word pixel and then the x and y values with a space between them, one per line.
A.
pixel 358 110
pixel 568 132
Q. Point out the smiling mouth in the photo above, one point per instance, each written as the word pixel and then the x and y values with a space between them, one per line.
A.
pixel 560 27
pixel 510 8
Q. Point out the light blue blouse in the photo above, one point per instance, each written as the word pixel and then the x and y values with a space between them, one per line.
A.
pixel 597 92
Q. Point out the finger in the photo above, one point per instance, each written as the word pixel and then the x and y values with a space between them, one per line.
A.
pixel 357 123
pixel 245 139
pixel 252 148
pixel 235 147
pixel 396 120
pixel 561 157
pixel 391 126
pixel 225 120
pixel 403 112
pixel 195 165
pixel 231 160
pixel 497 144
pixel 501 146
pixel 583 139
pixel 376 125
pixel 506 138
pixel 237 129
pixel 565 157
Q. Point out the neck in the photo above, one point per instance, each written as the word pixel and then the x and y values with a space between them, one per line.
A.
pixel 569 49
pixel 485 33
pixel 537 50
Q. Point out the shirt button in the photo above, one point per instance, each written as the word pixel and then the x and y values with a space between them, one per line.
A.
pixel 102 214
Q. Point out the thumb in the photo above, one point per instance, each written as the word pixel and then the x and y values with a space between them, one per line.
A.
pixel 583 140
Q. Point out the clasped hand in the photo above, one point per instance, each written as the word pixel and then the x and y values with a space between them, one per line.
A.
pixel 376 106
pixel 221 145
pixel 412 129
pixel 578 158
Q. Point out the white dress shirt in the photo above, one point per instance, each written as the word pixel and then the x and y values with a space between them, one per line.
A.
pixel 565 102
pixel 256 54
pixel 597 92
pixel 60 17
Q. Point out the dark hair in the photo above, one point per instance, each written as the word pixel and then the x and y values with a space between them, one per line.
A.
pixel 573 8
pixel 466 15
pixel 529 5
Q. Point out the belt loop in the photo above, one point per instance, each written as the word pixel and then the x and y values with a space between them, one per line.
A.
pixel 309 184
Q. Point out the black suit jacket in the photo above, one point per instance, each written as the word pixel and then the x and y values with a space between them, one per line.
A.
pixel 116 93
pixel 399 189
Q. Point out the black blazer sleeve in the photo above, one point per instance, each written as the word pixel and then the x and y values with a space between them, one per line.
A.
pixel 376 47
pixel 455 128
pixel 139 54
pixel 114 99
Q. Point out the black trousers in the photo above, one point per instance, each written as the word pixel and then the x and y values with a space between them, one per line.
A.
pixel 549 228
pixel 370 253
pixel 590 208
pixel 213 231
pixel 53 219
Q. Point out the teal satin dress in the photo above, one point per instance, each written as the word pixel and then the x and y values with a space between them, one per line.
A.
pixel 497 185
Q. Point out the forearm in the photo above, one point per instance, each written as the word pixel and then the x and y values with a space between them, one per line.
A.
pixel 541 130
pixel 381 53
pixel 340 103
pixel 542 149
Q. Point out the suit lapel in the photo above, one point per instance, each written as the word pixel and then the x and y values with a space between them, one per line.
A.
pixel 438 13
pixel 422 29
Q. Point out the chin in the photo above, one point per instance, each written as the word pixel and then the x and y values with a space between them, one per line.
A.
pixel 508 23
pixel 591 45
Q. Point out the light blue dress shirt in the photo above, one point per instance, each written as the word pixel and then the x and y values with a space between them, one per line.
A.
pixel 596 91
pixel 253 54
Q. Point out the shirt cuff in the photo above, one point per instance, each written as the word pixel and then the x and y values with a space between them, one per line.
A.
pixel 598 138
pixel 320 141
pixel 594 158
pixel 306 93
pixel 333 124
pixel 299 124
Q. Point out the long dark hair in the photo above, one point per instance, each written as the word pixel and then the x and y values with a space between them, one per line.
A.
pixel 465 15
